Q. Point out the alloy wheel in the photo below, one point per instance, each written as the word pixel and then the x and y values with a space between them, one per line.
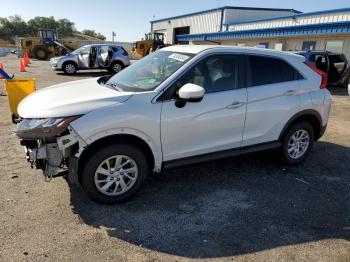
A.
pixel 117 68
pixel 70 69
pixel 116 175
pixel 298 144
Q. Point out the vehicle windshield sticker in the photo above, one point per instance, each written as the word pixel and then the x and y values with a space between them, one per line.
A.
pixel 179 57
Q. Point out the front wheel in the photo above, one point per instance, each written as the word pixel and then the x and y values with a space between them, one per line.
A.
pixel 115 173
pixel 41 53
pixel 69 68
pixel 297 143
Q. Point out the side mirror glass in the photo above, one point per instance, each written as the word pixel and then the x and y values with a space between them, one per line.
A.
pixel 190 93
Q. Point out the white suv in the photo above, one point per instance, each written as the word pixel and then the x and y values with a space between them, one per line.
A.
pixel 178 106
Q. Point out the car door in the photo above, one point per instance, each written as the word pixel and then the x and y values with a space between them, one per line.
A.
pixel 103 56
pixel 273 98
pixel 84 57
pixel 214 124
pixel 337 69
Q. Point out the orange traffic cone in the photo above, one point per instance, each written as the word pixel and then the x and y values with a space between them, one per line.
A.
pixel 1 67
pixel 28 58
pixel 25 60
pixel 22 67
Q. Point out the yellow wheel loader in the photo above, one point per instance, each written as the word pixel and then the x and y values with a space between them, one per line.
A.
pixel 151 43
pixel 46 45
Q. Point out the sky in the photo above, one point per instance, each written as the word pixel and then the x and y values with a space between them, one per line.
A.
pixel 130 19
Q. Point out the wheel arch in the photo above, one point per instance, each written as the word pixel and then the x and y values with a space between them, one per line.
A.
pixel 117 138
pixel 117 61
pixel 311 116
pixel 70 61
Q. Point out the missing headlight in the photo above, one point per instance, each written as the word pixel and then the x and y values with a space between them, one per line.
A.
pixel 43 128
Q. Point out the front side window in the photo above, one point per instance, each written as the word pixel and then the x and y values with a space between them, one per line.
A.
pixel 215 74
pixel 148 73
pixel 268 70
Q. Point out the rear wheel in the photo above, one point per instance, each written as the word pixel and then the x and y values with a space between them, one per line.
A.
pixel 297 143
pixel 69 68
pixel 115 68
pixel 115 173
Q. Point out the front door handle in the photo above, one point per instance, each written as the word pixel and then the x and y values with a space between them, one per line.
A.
pixel 290 93
pixel 236 105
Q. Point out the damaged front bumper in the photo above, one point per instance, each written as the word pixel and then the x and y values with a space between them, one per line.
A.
pixel 55 155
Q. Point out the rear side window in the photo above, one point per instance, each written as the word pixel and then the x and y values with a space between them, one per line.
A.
pixel 267 70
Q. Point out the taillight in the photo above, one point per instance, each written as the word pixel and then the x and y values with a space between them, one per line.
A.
pixel 323 75
pixel 125 52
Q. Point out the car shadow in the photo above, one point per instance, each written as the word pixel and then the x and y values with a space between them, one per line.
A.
pixel 338 91
pixel 86 74
pixel 232 207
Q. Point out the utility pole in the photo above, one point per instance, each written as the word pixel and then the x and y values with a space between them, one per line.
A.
pixel 113 35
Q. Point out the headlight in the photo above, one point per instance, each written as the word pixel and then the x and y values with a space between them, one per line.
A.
pixel 43 128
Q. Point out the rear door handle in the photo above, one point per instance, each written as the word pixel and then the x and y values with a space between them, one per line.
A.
pixel 236 105
pixel 290 93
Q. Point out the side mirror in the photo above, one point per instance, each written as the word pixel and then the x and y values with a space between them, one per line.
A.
pixel 190 93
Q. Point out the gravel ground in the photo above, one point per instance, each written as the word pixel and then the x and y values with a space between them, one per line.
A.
pixel 245 209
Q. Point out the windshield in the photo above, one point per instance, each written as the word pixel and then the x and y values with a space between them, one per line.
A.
pixel 84 49
pixel 148 73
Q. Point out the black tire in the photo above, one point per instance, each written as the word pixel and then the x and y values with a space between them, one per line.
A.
pixel 69 68
pixel 116 67
pixel 95 160
pixel 41 53
pixel 286 158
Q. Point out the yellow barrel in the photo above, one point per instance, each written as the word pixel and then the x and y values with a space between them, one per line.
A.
pixel 17 89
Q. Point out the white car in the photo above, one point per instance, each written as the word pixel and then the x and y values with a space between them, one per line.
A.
pixel 178 106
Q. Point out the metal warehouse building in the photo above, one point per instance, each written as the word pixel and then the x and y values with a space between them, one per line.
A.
pixel 211 21
pixel 280 29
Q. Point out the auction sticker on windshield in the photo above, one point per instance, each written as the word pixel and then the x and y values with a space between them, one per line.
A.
pixel 179 57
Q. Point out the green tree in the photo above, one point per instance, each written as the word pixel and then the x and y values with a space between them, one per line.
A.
pixel 5 32
pixel 93 34
pixel 100 36
pixel 65 27
pixel 17 25
pixel 39 22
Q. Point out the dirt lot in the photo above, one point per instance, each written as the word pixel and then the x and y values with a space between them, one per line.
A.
pixel 245 209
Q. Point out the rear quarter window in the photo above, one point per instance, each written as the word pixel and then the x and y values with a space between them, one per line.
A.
pixel 268 70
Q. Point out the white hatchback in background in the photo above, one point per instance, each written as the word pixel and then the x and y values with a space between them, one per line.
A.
pixel 178 106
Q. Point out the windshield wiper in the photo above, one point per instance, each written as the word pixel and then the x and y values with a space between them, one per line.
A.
pixel 114 86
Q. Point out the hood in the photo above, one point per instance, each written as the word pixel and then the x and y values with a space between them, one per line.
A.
pixel 58 58
pixel 70 99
